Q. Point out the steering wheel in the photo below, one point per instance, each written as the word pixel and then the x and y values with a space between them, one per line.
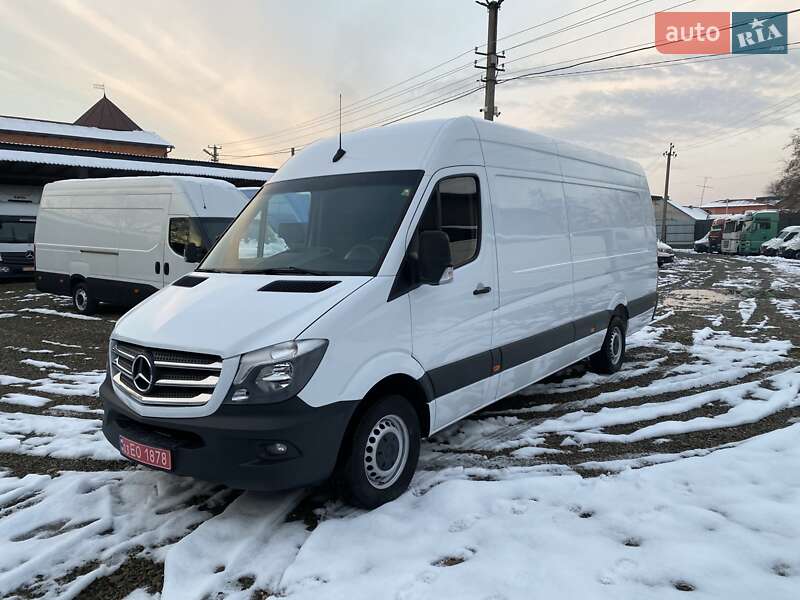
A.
pixel 361 252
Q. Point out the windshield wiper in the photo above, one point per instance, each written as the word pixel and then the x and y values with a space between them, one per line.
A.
pixel 283 271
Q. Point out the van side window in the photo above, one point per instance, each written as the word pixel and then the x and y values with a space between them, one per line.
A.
pixel 183 231
pixel 455 208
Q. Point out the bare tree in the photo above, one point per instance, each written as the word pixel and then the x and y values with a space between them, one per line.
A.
pixel 787 187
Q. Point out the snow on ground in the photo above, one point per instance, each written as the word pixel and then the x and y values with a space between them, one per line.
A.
pixel 676 474
pixel 58 437
pixel 50 525
pixel 722 525
pixel 49 311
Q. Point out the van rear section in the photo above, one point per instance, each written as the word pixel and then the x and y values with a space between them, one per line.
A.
pixel 373 294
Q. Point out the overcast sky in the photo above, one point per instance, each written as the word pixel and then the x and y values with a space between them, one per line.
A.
pixel 205 72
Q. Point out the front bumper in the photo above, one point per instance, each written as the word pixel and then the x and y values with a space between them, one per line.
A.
pixel 230 446
pixel 16 271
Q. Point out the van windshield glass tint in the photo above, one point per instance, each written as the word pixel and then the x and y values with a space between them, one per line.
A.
pixel 338 225
pixel 16 230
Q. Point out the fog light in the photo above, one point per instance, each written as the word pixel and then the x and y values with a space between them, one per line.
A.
pixel 277 449
pixel 240 396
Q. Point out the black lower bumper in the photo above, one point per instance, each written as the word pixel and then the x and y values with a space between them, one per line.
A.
pixel 232 445
pixel 11 271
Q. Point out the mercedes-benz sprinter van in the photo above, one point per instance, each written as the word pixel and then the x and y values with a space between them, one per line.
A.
pixel 421 272
pixel 120 239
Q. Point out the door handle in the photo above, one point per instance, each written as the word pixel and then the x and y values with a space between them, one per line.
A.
pixel 481 289
pixel 158 268
pixel 166 268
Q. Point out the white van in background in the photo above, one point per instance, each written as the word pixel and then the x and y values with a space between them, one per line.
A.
pixel 419 273
pixel 17 225
pixel 119 240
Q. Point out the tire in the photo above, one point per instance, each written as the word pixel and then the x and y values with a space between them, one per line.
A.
pixel 611 355
pixel 382 455
pixel 82 299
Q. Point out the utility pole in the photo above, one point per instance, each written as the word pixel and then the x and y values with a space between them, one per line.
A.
pixel 214 154
pixel 492 68
pixel 670 154
pixel 704 187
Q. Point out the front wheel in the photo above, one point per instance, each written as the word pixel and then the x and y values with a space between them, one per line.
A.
pixel 82 299
pixel 612 353
pixel 382 456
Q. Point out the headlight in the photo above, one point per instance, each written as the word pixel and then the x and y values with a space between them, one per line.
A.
pixel 276 373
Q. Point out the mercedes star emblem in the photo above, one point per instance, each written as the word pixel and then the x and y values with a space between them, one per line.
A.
pixel 142 373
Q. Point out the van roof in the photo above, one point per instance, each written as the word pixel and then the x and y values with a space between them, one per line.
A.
pixel 171 182
pixel 208 197
pixel 435 144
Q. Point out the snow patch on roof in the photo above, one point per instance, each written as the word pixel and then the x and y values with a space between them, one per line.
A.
pixel 78 131
pixel 131 165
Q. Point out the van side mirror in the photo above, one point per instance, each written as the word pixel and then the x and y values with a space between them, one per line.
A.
pixel 193 254
pixel 434 265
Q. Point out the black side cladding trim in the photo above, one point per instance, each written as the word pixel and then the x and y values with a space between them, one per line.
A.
pixel 456 375
pixel 461 373
pixel 121 293
pixel 586 326
pixel 521 351
pixel 53 283
pixel 298 286
pixel 189 281
pixel 641 305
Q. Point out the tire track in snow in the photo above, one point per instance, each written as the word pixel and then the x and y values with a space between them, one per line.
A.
pixel 247 547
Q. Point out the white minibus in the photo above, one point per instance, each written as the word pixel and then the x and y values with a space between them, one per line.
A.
pixel 118 240
pixel 374 293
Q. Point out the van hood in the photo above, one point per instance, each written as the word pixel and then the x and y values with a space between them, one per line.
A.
pixel 227 315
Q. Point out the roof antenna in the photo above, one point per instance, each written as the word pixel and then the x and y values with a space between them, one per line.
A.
pixel 341 151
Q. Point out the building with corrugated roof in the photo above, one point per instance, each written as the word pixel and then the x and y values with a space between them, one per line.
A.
pixel 683 222
pixel 102 142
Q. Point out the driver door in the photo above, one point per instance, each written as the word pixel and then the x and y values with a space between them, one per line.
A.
pixel 452 322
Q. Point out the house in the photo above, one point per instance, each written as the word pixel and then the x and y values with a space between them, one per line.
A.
pixel 733 206
pixel 102 142
pixel 682 222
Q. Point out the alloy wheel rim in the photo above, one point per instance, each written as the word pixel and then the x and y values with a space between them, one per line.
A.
pixel 386 452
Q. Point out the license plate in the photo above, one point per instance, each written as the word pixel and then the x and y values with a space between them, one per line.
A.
pixel 159 458
pixel 27 268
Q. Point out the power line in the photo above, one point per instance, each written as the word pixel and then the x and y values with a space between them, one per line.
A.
pixel 596 33
pixel 657 44
pixel 352 107
pixel 447 98
pixel 629 5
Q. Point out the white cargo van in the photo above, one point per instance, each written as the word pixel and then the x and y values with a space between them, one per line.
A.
pixel 119 240
pixel 17 225
pixel 419 273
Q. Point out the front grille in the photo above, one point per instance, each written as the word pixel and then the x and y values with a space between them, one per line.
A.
pixel 178 378
pixel 16 258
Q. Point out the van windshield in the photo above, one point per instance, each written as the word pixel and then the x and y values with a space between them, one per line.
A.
pixel 331 225
pixel 16 230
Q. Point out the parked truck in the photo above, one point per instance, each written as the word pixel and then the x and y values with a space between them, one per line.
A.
pixel 757 227
pixel 715 235
pixel 731 234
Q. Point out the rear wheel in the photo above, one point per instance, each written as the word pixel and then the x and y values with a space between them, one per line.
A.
pixel 612 353
pixel 82 299
pixel 383 454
